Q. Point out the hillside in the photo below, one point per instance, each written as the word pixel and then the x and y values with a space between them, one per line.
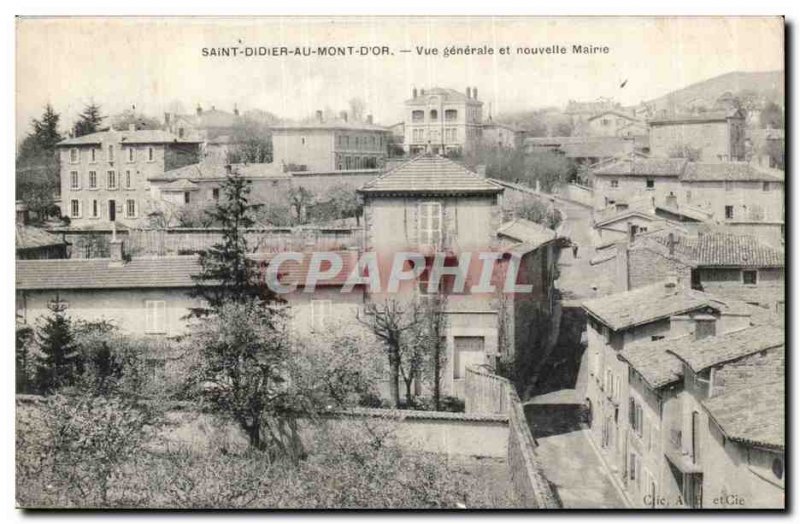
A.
pixel 767 84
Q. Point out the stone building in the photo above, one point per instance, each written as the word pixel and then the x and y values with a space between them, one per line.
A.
pixel 105 176
pixel 443 121
pixel 614 123
pixel 214 127
pixel 501 136
pixel 327 146
pixel 718 135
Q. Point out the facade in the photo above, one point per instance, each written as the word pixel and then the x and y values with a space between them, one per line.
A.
pixel 501 136
pixel 443 121
pixel 718 135
pixel 105 176
pixel 432 205
pixel 327 146
pixel 705 418
pixel 215 128
pixel 614 123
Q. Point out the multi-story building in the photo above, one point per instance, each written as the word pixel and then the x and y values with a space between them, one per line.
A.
pixel 614 123
pixel 614 323
pixel 501 136
pixel 104 176
pixel 443 121
pixel 705 418
pixel 328 146
pixel 718 135
pixel 745 198
pixel 432 205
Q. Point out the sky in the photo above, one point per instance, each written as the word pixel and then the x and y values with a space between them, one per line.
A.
pixel 157 64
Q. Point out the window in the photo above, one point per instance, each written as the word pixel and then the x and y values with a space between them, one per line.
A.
pixel 750 277
pixel 320 314
pixel 417 116
pixel 75 208
pixel 128 179
pixel 155 316
pixel 434 114
pixel 656 337
pixel 112 180
pixel 467 351
pixel 187 197
pixel 92 179
pixel 450 114
pixel 728 212
pixel 430 223
pixel 93 155
pixel 215 193
pixel 111 153
pixel 95 209
pixel 151 155
pixel 650 183
pixel 765 186
pixel 615 183
pixel 74 155
pixel 131 154
pixel 74 180
pixel 635 416
pixel 130 208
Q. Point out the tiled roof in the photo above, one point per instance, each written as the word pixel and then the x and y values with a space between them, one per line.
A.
pixel 430 174
pixel 721 250
pixel 29 237
pixel 329 125
pixel 212 169
pixel 523 230
pixel 613 112
pixel 97 273
pixel 141 136
pixel 645 304
pixel 711 351
pixel 652 361
pixel 709 116
pixel 729 171
pixel 636 166
pixel 447 94
pixel 764 295
pixel 157 272
pixel 181 184
pixel 749 404
pixel 598 147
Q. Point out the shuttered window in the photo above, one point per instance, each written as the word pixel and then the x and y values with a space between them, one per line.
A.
pixel 156 316
pixel 430 223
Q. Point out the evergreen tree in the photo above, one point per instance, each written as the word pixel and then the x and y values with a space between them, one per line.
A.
pixel 227 273
pixel 88 121
pixel 59 363
pixel 45 131
pixel 37 169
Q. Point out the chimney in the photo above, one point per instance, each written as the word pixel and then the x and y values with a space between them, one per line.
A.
pixel 343 115
pixel 475 93
pixel 199 110
pixel 132 127
pixel 369 119
pixel 319 116
pixel 469 93
pixel 235 110
pixel 414 93
pixel 116 249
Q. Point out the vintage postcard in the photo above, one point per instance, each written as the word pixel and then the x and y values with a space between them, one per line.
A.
pixel 400 262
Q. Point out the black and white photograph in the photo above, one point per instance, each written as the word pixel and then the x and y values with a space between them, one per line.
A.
pixel 400 262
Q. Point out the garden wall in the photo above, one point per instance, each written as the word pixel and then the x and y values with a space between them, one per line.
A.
pixel 489 393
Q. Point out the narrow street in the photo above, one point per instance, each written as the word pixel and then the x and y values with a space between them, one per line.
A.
pixel 568 459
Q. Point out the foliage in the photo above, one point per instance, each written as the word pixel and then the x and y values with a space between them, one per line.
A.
pixel 241 370
pixel 76 452
pixel 340 202
pixel 59 363
pixel 535 210
pixel 300 199
pixel 24 362
pixel 771 116
pixel 89 120
pixel 227 272
pixel 124 120
pixel 194 215
pixel 550 169
pixel 337 367
pixel 37 167
pixel 252 143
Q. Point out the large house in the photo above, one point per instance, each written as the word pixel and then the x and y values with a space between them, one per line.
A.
pixel 432 205
pixel 718 135
pixel 105 176
pixel 614 122
pixel 330 145
pixel 705 419
pixel 443 121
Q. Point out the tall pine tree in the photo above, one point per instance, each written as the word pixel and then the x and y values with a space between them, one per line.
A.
pixel 88 121
pixel 227 273
pixel 59 363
